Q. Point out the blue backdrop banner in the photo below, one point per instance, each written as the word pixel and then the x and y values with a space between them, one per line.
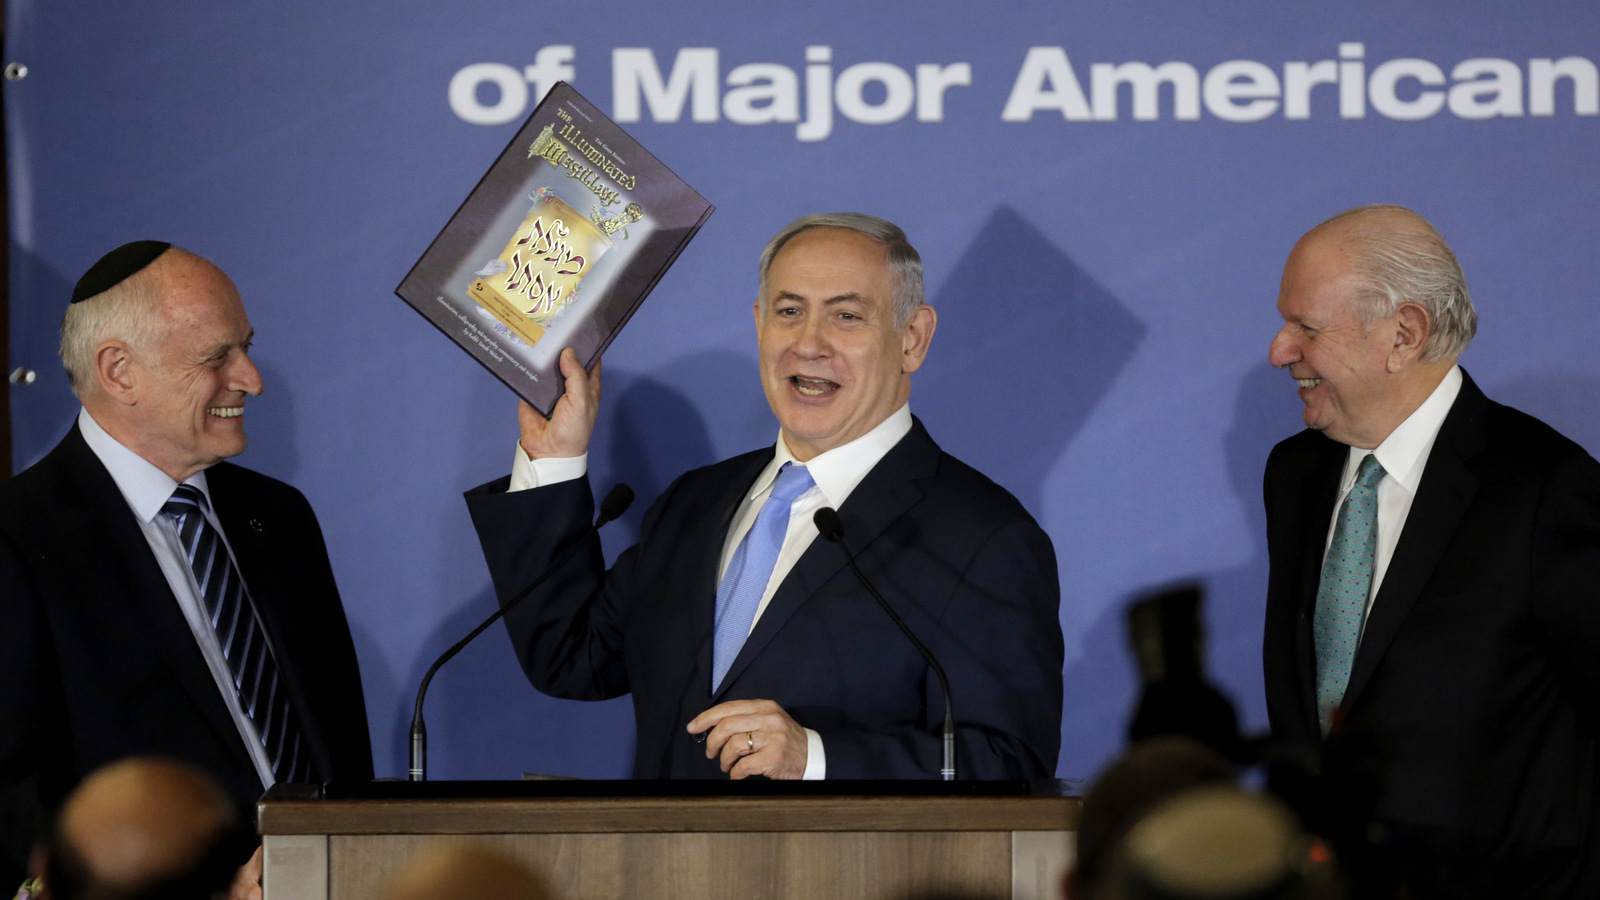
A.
pixel 1103 194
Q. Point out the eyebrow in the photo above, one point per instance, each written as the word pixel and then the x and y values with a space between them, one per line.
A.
pixel 223 346
pixel 851 297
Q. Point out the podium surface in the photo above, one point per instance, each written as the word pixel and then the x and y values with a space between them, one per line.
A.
pixel 623 843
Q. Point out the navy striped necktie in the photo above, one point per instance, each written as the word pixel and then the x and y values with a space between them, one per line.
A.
pixel 244 642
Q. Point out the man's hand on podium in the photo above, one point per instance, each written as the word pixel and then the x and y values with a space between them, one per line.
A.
pixel 753 737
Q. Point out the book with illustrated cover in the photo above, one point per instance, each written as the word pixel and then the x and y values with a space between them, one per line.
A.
pixel 556 247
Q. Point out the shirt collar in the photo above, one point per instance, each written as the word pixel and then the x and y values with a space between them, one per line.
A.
pixel 838 471
pixel 1404 453
pixel 145 487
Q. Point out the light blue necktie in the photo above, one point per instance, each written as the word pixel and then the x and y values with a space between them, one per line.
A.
pixel 748 572
pixel 1346 583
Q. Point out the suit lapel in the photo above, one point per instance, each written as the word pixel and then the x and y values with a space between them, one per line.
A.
pixel 887 492
pixel 1446 490
pixel 123 560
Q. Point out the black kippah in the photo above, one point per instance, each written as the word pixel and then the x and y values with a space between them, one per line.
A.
pixel 116 267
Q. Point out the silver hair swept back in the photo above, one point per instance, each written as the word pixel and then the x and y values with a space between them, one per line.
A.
pixel 129 312
pixel 905 265
pixel 1404 260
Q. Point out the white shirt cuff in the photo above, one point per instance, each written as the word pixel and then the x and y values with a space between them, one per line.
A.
pixel 531 473
pixel 816 760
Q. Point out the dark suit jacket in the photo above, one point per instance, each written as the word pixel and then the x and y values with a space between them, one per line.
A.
pixel 98 663
pixel 960 559
pixel 1479 671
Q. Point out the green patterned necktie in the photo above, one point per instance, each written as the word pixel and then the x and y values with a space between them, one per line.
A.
pixel 1346 583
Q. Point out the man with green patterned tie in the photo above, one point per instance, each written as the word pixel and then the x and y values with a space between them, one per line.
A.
pixel 1435 559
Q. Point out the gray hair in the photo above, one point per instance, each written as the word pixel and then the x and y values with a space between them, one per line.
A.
pixel 905 265
pixel 1404 260
pixel 129 311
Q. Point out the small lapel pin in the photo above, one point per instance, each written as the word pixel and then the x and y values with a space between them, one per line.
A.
pixel 255 525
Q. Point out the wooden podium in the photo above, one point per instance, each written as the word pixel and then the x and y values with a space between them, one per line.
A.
pixel 598 840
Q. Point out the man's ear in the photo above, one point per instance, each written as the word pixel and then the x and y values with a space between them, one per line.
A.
pixel 915 339
pixel 114 372
pixel 1412 328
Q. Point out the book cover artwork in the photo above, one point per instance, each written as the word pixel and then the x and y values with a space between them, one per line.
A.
pixel 556 247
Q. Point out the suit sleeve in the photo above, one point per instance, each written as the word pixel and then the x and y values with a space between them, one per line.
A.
pixel 339 692
pixel 1278 628
pixel 568 635
pixel 1566 578
pixel 30 710
pixel 999 639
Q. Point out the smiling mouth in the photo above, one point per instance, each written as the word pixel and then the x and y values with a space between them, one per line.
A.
pixel 225 412
pixel 812 387
pixel 1308 383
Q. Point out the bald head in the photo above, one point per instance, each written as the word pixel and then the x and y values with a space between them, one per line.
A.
pixel 138 823
pixel 1146 774
pixel 1375 312
pixel 1217 843
pixel 465 870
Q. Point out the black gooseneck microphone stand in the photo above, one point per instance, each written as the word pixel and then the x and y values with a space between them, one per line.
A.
pixel 615 504
pixel 832 530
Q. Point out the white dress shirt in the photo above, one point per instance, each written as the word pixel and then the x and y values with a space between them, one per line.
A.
pixel 835 473
pixel 1403 455
pixel 146 489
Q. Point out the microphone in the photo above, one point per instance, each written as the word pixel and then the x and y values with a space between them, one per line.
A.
pixel 832 530
pixel 614 505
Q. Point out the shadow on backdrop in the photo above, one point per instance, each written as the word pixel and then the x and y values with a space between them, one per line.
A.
pixel 1266 411
pixel 651 431
pixel 1101 685
pixel 378 685
pixel 486 722
pixel 41 412
pixel 1027 346
pixel 1099 688
pixel 270 425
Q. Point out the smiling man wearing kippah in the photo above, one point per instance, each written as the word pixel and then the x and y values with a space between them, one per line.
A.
pixel 155 600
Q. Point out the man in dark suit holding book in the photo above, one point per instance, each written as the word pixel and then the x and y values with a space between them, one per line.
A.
pixel 748 645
